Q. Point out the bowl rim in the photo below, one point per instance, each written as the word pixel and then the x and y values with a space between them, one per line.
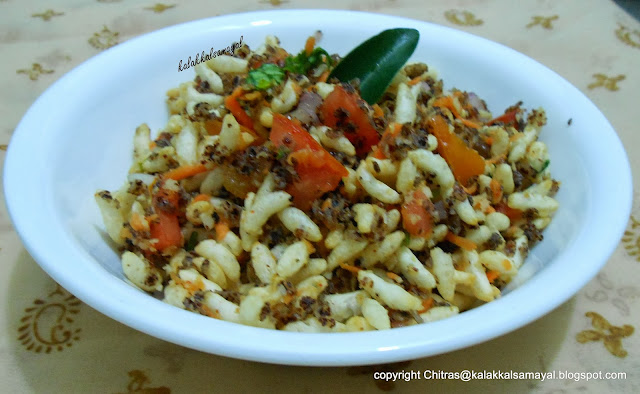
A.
pixel 256 344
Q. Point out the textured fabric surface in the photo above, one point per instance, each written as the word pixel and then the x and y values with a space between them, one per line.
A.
pixel 51 342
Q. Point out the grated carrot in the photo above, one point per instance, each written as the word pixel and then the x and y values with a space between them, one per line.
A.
pixel 208 311
pixel 232 104
pixel 470 190
pixel 415 81
pixel 447 102
pixel 496 191
pixel 308 46
pixel 461 241
pixel 201 197
pixel 222 229
pixel 394 277
pixel 350 268
pixel 324 76
pixel 492 275
pixel 185 171
pixel 152 145
pixel 426 305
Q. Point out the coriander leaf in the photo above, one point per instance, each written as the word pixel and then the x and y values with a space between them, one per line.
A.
pixel 265 76
pixel 302 63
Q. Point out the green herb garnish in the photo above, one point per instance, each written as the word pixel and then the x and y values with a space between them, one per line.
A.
pixel 302 63
pixel 191 242
pixel 545 165
pixel 266 76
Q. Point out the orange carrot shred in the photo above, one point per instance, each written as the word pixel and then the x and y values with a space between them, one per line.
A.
pixel 496 191
pixel 461 241
pixel 426 305
pixel 232 104
pixel 350 268
pixel 492 275
pixel 447 102
pixel 324 76
pixel 308 46
pixel 222 229
pixel 186 171
pixel 470 190
pixel 415 81
pixel 201 197
pixel 394 277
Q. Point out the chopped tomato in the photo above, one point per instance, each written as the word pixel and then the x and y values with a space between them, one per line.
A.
pixel 167 231
pixel 167 228
pixel 289 134
pixel 464 161
pixel 416 218
pixel 342 108
pixel 508 118
pixel 318 171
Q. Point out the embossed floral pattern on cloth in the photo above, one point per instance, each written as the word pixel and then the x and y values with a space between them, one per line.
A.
pixel 52 342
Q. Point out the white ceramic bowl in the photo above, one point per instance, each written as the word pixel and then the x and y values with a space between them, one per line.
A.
pixel 77 138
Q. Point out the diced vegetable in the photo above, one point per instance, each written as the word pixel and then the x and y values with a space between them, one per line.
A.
pixel 318 171
pixel 464 161
pixel 416 218
pixel 166 229
pixel 344 109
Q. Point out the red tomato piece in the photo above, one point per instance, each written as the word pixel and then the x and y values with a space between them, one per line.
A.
pixel 342 108
pixel 318 171
pixel 167 231
pixel 416 216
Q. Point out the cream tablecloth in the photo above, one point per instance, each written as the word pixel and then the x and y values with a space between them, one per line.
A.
pixel 50 342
